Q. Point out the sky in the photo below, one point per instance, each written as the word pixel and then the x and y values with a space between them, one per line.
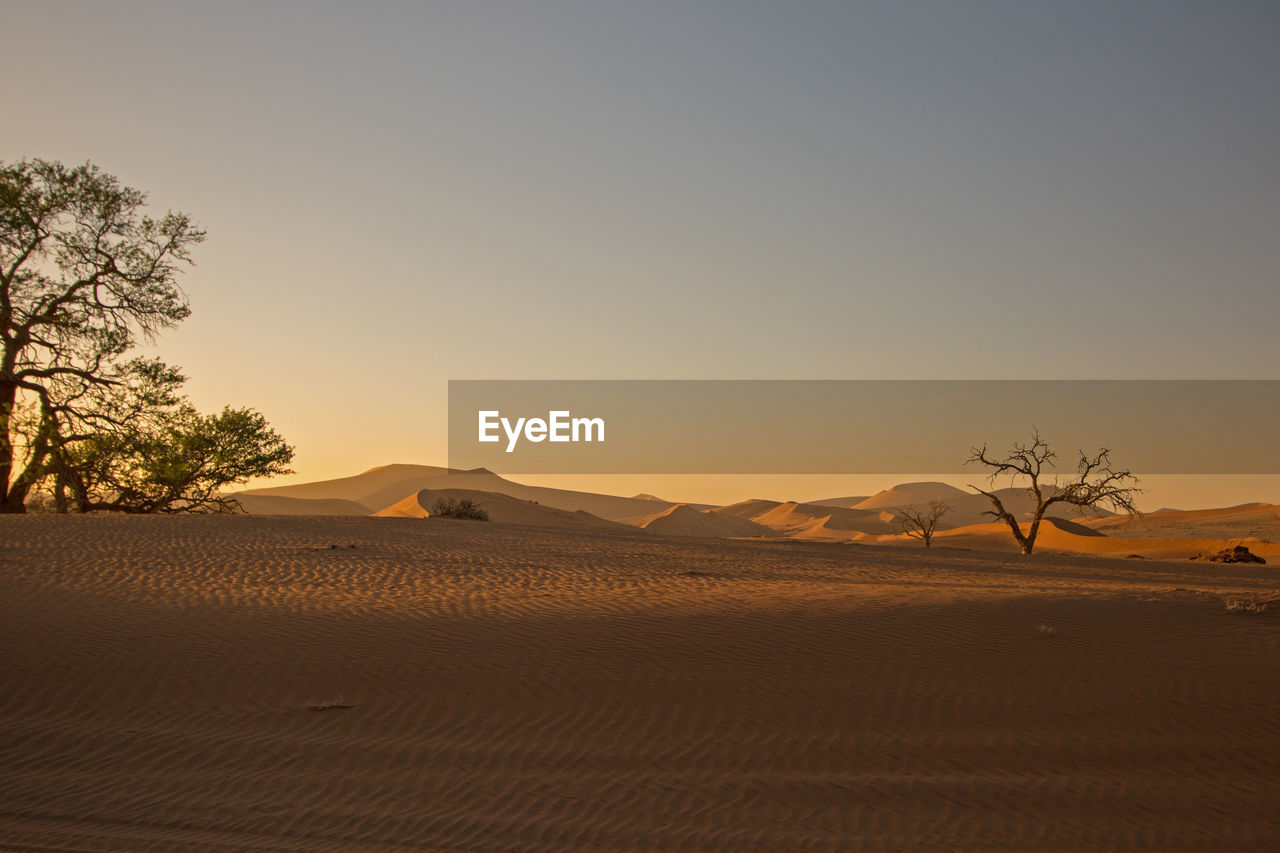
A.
pixel 398 194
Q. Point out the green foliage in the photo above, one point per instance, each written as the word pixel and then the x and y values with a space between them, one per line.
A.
pixel 178 465
pixel 85 275
pixel 459 508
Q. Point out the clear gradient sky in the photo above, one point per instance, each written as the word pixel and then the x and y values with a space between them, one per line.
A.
pixel 402 193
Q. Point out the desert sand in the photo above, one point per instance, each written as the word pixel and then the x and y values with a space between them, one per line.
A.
pixel 350 683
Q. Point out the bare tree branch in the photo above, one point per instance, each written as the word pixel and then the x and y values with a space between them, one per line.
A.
pixel 921 524
pixel 1096 486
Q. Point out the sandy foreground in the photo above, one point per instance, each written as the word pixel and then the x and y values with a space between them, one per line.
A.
pixel 526 689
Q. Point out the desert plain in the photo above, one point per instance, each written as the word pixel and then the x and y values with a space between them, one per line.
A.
pixel 350 678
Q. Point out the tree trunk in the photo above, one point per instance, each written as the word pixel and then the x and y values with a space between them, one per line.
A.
pixel 1014 528
pixel 1029 542
pixel 60 504
pixel 21 484
pixel 8 399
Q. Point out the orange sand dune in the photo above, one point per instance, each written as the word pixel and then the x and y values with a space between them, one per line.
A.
pixel 966 507
pixel 684 520
pixel 502 509
pixel 810 521
pixel 382 487
pixel 1167 534
pixel 1258 520
pixel 1074 537
pixel 280 505
pixel 914 494
pixel 848 502
pixel 326 684
pixel 357 487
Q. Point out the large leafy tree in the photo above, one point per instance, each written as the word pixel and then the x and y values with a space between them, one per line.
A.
pixel 85 274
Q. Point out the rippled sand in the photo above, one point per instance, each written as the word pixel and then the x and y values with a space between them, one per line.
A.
pixel 526 689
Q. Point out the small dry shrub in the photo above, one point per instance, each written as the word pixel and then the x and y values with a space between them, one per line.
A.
pixel 1245 607
pixel 459 508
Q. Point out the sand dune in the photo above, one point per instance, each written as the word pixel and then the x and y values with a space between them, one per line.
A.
pixel 255 504
pixel 684 520
pixel 912 494
pixel 1258 520
pixel 843 503
pixel 966 507
pixel 1073 537
pixel 810 521
pixel 502 509
pixel 536 689
pixel 382 487
pixel 1075 528
pixel 355 488
pixel 1168 534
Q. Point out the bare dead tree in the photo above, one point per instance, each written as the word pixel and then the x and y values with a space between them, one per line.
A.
pixel 1096 485
pixel 920 523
